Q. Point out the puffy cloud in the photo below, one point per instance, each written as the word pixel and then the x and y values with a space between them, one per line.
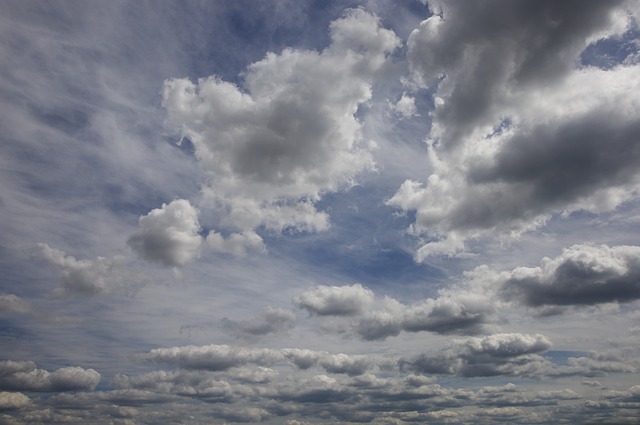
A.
pixel 290 134
pixel 520 131
pixel 223 358
pixel 271 320
pixel 11 400
pixel 457 310
pixel 90 277
pixel 498 354
pixel 237 244
pixel 169 234
pixel 405 107
pixel 212 357
pixel 343 363
pixel 335 300
pixel 24 376
pixel 581 275
pixel 454 313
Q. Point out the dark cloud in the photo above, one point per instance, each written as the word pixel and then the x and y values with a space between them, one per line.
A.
pixel 520 131
pixel 491 47
pixel 581 275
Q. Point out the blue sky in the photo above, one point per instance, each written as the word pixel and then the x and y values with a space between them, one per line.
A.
pixel 299 212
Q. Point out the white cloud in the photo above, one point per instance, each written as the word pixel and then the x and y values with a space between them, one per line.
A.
pixel 519 129
pixel 335 300
pixel 582 275
pixel 13 400
pixel 90 277
pixel 212 357
pixel 169 234
pixel 273 147
pixel 498 354
pixel 405 107
pixel 237 244
pixel 24 376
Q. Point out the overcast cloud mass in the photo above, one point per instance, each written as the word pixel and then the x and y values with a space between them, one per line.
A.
pixel 301 212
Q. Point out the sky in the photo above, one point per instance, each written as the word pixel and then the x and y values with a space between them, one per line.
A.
pixel 319 212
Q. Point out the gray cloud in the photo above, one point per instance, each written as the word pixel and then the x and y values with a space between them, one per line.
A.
pixel 489 50
pixel 498 354
pixel 520 131
pixel 274 146
pixel 25 376
pixel 335 300
pixel 212 357
pixel 581 275
pixel 454 311
pixel 169 234
pixel 271 320
pixel 90 277
pixel 13 400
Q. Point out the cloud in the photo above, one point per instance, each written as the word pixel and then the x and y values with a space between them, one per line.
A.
pixel 335 300
pixel 11 400
pixel 271 320
pixel 219 358
pixel 12 304
pixel 519 127
pixel 168 235
pixel 25 376
pixel 405 107
pixel 237 244
pixel 457 310
pixel 498 354
pixel 90 277
pixel 581 275
pixel 290 134
pixel 212 357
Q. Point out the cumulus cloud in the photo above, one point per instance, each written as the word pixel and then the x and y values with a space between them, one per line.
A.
pixel 405 107
pixel 90 277
pixel 232 360
pixel 335 300
pixel 25 376
pixel 273 146
pixel 238 244
pixel 13 400
pixel 581 275
pixel 498 354
pixel 457 310
pixel 271 320
pixel 212 357
pixel 520 130
pixel 168 235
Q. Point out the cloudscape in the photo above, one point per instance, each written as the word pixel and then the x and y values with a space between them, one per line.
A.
pixel 319 212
